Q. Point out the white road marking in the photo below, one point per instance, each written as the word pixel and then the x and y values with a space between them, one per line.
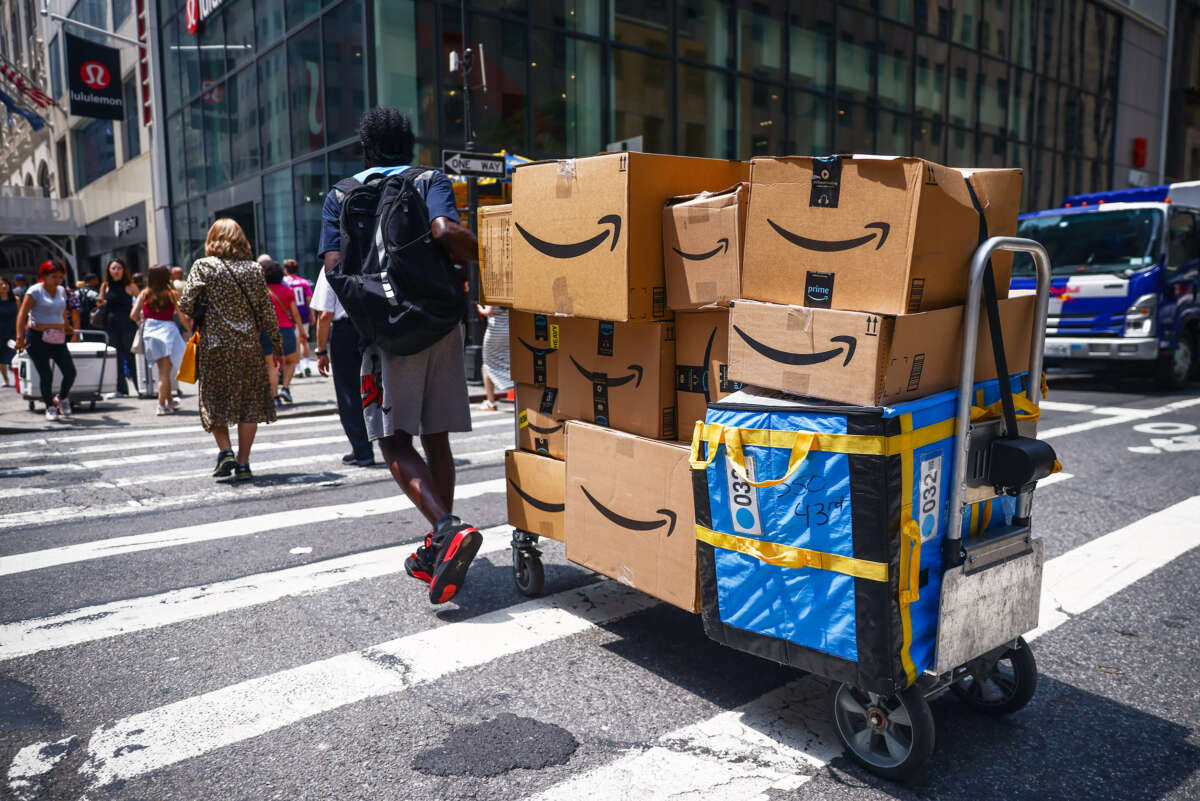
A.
pixel 22 492
pixel 1164 428
pixel 157 738
pixel 301 549
pixel 222 529
pixel 1053 406
pixel 31 763
pixel 741 754
pixel 1054 478
pixel 191 603
pixel 1117 417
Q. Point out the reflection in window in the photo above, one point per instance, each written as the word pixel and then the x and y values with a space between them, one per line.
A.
pixel 642 23
pixel 197 226
pixel 56 83
pixel 499 116
pixel 212 49
pixel 760 24
pixel 515 8
pixel 239 31
pixel 346 97
pixel 810 124
pixel 189 67
pixel 270 22
pixel 309 188
pixel 891 136
pixel 961 148
pixel 966 18
pixel 894 73
pixel 856 57
pixel 193 146
pixel 566 117
pixel 762 121
pixel 900 10
pixel 170 70
pixel 279 224
pixel 405 70
pixel 578 16
pixel 1022 22
pixel 345 161
pixel 304 79
pixel 243 116
pixel 451 99
pixel 705 116
pixel 1020 105
pixel 993 95
pixel 962 87
pixel 215 109
pixel 181 243
pixel 177 158
pixel 928 139
pixel 855 128
pixel 933 17
pixel 95 153
pixel 811 32
pixel 300 10
pixel 641 99
pixel 131 127
pixel 705 33
pixel 930 76
pixel 993 27
pixel 273 111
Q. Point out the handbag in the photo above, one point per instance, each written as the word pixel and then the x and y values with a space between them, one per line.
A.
pixel 139 345
pixel 187 365
pixel 97 316
pixel 54 336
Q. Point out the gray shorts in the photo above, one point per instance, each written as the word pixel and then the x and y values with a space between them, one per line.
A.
pixel 425 393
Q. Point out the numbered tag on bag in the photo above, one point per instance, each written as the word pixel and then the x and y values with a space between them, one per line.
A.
pixel 929 495
pixel 743 499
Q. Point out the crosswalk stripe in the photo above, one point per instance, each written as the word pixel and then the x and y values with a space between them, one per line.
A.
pixel 190 603
pixel 222 529
pixel 778 740
pixel 157 738
pixel 1117 417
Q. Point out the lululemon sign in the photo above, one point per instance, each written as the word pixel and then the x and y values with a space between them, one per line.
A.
pixel 93 79
pixel 196 11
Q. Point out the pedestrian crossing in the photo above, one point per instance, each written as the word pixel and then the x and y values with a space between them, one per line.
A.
pixel 767 745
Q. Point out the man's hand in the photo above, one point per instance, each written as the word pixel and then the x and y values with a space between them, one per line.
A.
pixel 323 364
pixel 456 239
pixel 20 342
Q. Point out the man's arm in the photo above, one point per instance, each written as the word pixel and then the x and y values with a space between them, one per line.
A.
pixel 323 321
pixel 455 238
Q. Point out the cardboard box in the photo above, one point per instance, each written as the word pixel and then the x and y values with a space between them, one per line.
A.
pixel 866 359
pixel 587 235
pixel 701 365
pixel 536 493
pixel 619 375
pixel 533 348
pixel 540 424
pixel 494 231
pixel 640 532
pixel 703 237
pixel 882 235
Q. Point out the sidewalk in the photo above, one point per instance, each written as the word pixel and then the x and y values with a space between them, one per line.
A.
pixel 313 396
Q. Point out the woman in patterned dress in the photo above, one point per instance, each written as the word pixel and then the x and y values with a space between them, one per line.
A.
pixel 230 369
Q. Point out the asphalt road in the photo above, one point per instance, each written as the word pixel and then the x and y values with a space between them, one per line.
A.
pixel 163 636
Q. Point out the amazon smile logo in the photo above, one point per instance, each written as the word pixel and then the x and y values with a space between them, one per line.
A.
pixel 834 246
pixel 722 247
pixel 543 430
pixel 801 359
pixel 669 517
pixel 541 505
pixel 596 378
pixel 572 250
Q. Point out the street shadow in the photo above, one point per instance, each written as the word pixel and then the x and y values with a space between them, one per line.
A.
pixel 284 479
pixel 491 587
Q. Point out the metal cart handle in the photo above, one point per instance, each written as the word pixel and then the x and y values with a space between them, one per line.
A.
pixel 966 381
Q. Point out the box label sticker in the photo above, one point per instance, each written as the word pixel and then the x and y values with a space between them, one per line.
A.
pixel 689 378
pixel 554 336
pixel 604 338
pixel 743 499
pixel 916 294
pixel 818 290
pixel 523 419
pixel 600 398
pixel 541 328
pixel 914 375
pixel 826 182
pixel 549 396
pixel 929 489
pixel 726 386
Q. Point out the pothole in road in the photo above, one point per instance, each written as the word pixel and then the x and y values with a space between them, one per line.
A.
pixel 496 746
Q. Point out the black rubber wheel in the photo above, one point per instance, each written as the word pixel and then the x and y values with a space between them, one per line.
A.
pixel 891 736
pixel 1174 368
pixel 31 407
pixel 91 406
pixel 528 573
pixel 1009 687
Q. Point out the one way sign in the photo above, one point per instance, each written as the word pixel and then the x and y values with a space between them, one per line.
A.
pixel 482 165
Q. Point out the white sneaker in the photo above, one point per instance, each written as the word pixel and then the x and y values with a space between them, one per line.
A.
pixel 161 410
pixel 52 413
pixel 176 404
pixel 64 406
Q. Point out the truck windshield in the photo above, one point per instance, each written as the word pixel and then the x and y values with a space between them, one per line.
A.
pixel 1093 242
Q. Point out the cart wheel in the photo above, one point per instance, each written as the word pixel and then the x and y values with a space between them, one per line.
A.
pixel 1006 688
pixel 528 573
pixel 890 736
pixel 31 406
pixel 91 406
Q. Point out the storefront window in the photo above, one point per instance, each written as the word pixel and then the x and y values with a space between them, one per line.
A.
pixel 346 92
pixel 299 10
pixel 811 34
pixel 576 16
pixel 94 151
pixel 239 31
pixel 270 23
pixel 856 56
pixel 309 187
pixel 810 124
pixel 499 117
pixel 212 50
pixel 193 146
pixel 189 66
pixel 963 74
pixel 930 76
pixel 198 223
pixel 894 73
pixel 279 224
pixel 760 26
pixel 405 66
pixel 181 242
pixel 243 117
pixel 567 120
pixel 304 80
pixel 216 135
pixel 176 158
pixel 171 65
pixel 272 106
pixel 130 128
pixel 706 31
pixel 514 8
pixel 641 100
pixel 705 117
pixel 761 124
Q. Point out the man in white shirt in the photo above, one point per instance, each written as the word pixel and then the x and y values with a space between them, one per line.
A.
pixel 337 346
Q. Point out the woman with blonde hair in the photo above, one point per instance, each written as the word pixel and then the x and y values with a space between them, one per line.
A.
pixel 156 308
pixel 226 294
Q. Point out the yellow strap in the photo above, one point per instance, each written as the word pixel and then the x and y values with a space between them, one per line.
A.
pixel 993 411
pixel 910 554
pixel 802 443
pixel 987 517
pixel 910 573
pixel 774 553
pixel 856 444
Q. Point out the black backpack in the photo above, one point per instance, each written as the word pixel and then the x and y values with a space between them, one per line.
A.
pixel 398 287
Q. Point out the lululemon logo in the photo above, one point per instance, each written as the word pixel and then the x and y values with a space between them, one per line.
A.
pixel 668 519
pixel 800 359
pixel 833 246
pixel 611 382
pixel 722 247
pixel 544 506
pixel 95 74
pixel 571 250
pixel 192 15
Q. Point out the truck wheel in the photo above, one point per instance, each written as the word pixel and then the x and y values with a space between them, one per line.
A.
pixel 1175 367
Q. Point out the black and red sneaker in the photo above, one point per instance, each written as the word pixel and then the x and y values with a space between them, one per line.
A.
pixel 420 564
pixel 459 544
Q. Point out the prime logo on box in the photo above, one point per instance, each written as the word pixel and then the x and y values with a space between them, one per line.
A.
pixel 93 79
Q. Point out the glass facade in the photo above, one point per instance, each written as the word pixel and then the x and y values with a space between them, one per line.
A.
pixel 265 109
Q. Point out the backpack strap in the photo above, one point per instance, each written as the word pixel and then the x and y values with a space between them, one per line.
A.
pixel 343 187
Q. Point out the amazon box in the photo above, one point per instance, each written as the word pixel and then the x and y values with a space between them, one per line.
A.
pixel 533 348
pixel 866 359
pixel 630 512
pixel 494 228
pixel 701 365
pixel 873 234
pixel 619 375
pixel 539 421
pixel 702 248
pixel 536 487
pixel 587 233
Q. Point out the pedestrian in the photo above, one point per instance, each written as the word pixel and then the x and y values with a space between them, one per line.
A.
pixel 496 377
pixel 423 394
pixel 177 278
pixel 74 304
pixel 337 352
pixel 20 286
pixel 157 307
pixel 288 318
pixel 234 389
pixel 116 298
pixel 89 293
pixel 8 327
pixel 303 291
pixel 43 325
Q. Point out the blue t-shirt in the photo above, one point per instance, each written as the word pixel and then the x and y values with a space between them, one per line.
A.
pixel 434 187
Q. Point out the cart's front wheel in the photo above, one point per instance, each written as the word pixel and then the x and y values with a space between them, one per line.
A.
pixel 1000 686
pixel 891 736
pixel 528 573
pixel 31 406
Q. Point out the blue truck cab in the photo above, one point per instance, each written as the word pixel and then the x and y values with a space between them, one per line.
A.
pixel 1125 266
